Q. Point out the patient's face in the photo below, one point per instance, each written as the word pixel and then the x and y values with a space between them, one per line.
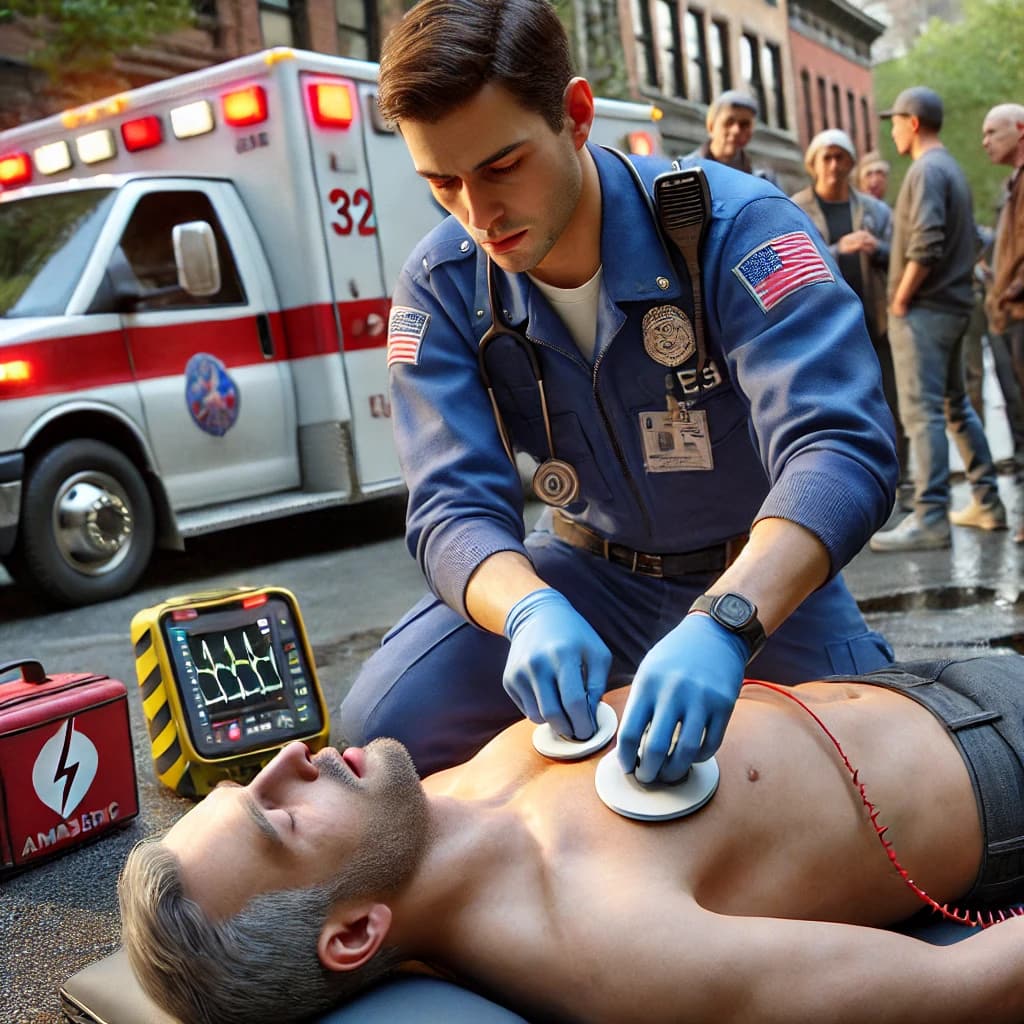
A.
pixel 305 821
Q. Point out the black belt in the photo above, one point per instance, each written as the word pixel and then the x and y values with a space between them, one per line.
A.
pixel 715 558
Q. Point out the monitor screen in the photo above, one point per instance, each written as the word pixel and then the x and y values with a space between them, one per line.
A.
pixel 242 676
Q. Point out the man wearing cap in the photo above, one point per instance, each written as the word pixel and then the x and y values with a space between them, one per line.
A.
pixel 930 300
pixel 730 125
pixel 857 228
pixel 1002 137
pixel 872 175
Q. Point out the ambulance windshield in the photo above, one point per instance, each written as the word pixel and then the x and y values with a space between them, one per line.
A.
pixel 45 242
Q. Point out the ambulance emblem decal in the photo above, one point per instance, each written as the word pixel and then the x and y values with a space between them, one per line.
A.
pixel 211 394
pixel 64 769
pixel 668 335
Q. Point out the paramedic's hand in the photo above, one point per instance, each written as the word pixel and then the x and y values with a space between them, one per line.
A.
pixel 693 676
pixel 557 666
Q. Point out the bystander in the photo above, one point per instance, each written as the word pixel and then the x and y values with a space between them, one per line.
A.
pixel 930 298
pixel 1003 139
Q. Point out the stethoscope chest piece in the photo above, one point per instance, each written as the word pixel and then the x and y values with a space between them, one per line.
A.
pixel 556 483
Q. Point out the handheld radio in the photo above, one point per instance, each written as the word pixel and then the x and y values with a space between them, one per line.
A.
pixel 227 678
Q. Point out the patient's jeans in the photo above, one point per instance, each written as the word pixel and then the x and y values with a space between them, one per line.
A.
pixel 927 347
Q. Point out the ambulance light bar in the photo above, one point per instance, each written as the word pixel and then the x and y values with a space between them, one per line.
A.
pixel 245 106
pixel 142 133
pixel 15 169
pixel 331 104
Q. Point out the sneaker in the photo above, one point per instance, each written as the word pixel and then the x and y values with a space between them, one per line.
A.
pixel 982 517
pixel 910 535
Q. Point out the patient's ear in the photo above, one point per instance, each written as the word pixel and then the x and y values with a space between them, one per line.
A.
pixel 351 935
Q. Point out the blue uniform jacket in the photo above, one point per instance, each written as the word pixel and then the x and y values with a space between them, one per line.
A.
pixel 796 416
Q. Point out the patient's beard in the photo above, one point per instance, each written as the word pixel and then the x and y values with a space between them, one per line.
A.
pixel 396 826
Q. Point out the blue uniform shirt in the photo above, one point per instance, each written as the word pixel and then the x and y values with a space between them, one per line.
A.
pixel 797 423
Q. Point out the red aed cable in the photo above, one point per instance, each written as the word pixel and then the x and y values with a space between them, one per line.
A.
pixel 964 917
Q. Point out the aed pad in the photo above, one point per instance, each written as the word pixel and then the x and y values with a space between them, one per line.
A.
pixel 227 678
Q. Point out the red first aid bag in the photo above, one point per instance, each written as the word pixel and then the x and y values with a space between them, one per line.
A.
pixel 67 765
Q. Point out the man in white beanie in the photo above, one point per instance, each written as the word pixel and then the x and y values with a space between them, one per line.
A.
pixel 857 228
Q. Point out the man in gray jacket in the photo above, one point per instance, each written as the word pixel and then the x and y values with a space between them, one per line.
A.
pixel 857 228
pixel 930 299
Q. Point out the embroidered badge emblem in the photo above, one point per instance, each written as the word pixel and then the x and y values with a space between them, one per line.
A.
pixel 668 335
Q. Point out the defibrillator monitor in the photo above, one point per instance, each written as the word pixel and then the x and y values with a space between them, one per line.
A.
pixel 227 679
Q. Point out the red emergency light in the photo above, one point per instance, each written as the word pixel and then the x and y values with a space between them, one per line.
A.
pixel 255 601
pixel 331 104
pixel 15 169
pixel 641 143
pixel 142 133
pixel 245 106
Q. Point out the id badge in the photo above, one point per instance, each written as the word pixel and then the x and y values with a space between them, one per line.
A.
pixel 676 441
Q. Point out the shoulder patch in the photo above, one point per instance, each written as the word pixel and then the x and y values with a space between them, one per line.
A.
pixel 781 266
pixel 406 329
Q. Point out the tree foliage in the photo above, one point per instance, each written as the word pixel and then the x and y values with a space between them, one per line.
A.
pixel 973 64
pixel 75 42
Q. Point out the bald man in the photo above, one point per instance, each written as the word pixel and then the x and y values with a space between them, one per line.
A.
pixel 509 874
pixel 1002 136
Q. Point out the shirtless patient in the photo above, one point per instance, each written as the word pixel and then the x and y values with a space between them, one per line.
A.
pixel 508 873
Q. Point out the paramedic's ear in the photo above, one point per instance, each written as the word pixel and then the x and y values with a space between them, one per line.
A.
pixel 352 934
pixel 579 110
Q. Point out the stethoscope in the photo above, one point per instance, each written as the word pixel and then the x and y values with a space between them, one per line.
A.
pixel 556 482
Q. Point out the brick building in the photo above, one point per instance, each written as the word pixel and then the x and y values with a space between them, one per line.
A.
pixel 830 42
pixel 680 55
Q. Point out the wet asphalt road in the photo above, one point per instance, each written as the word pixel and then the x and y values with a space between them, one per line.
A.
pixel 353 577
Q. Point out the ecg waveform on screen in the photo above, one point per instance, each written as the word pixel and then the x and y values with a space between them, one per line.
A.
pixel 236 666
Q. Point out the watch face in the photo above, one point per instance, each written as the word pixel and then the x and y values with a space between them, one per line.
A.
pixel 734 610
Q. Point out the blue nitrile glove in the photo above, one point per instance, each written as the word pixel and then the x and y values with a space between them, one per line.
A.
pixel 557 665
pixel 693 676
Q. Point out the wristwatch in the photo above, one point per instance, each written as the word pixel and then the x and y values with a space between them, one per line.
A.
pixel 738 615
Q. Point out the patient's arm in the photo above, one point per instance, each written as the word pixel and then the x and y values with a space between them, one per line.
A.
pixel 708 967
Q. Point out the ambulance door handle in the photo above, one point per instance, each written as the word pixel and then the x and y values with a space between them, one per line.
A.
pixel 266 337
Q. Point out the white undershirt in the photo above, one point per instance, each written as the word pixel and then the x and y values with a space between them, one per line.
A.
pixel 578 309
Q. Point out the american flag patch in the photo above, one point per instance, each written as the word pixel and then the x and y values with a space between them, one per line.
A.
pixel 780 267
pixel 406 328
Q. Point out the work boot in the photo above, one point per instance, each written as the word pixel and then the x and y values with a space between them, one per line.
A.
pixel 982 517
pixel 910 534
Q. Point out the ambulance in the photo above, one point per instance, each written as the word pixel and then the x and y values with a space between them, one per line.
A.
pixel 194 294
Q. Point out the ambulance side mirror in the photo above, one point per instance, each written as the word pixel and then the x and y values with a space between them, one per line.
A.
pixel 195 256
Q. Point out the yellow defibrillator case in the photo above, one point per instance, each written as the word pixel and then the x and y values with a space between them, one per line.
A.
pixel 227 678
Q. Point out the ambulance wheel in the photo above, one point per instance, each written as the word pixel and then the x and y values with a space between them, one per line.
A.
pixel 87 528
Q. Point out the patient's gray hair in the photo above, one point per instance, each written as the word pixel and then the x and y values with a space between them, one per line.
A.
pixel 259 965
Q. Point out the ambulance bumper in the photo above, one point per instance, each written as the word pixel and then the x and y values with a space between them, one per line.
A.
pixel 12 468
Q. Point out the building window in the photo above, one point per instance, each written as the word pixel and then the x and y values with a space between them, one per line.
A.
pixel 775 115
pixel 823 101
pixel 851 116
pixel 697 74
pixel 356 29
pixel 667 30
pixel 805 85
pixel 644 36
pixel 750 69
pixel 280 23
pixel 837 106
pixel 721 72
pixel 865 119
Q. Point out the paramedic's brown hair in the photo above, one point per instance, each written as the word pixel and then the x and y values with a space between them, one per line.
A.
pixel 443 52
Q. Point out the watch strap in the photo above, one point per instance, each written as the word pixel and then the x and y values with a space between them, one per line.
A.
pixel 750 630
